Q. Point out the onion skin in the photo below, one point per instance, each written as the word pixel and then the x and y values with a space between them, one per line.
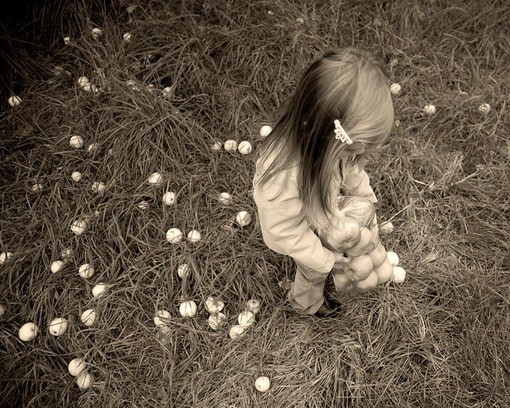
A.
pixel 362 266
pixel 361 247
pixel 378 255
pixel 346 233
pixel 369 283
pixel 384 272
pixel 360 209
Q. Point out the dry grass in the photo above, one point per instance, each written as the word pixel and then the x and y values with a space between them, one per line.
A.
pixel 439 340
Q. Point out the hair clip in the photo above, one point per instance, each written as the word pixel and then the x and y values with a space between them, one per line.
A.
pixel 341 134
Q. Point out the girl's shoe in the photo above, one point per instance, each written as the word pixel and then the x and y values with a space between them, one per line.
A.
pixel 330 308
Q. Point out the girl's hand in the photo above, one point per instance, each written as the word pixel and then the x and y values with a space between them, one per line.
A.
pixel 341 260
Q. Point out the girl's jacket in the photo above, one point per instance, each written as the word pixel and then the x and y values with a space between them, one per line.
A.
pixel 283 223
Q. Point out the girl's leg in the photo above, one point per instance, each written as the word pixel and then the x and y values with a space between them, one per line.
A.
pixel 306 294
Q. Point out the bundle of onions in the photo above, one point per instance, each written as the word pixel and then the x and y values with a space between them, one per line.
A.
pixel 354 231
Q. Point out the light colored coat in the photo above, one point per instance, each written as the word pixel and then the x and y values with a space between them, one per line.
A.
pixel 282 219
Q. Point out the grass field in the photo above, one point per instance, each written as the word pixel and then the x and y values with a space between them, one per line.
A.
pixel 440 339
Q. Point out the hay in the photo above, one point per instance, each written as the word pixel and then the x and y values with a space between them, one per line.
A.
pixel 441 339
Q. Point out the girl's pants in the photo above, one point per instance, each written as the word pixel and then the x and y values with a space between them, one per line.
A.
pixel 306 294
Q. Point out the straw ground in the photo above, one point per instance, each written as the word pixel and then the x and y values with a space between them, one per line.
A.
pixel 441 339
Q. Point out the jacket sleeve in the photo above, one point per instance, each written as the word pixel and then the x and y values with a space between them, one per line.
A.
pixel 362 188
pixel 284 227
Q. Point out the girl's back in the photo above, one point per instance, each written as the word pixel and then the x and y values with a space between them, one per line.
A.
pixel 341 110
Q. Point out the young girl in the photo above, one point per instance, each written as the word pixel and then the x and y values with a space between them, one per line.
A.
pixel 341 110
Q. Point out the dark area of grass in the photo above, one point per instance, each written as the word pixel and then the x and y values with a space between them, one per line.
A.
pixel 441 339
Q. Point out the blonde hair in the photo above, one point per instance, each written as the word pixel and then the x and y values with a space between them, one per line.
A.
pixel 349 85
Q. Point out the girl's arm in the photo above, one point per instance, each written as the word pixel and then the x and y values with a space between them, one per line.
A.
pixel 284 227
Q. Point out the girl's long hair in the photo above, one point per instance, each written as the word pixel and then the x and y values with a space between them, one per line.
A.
pixel 349 85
